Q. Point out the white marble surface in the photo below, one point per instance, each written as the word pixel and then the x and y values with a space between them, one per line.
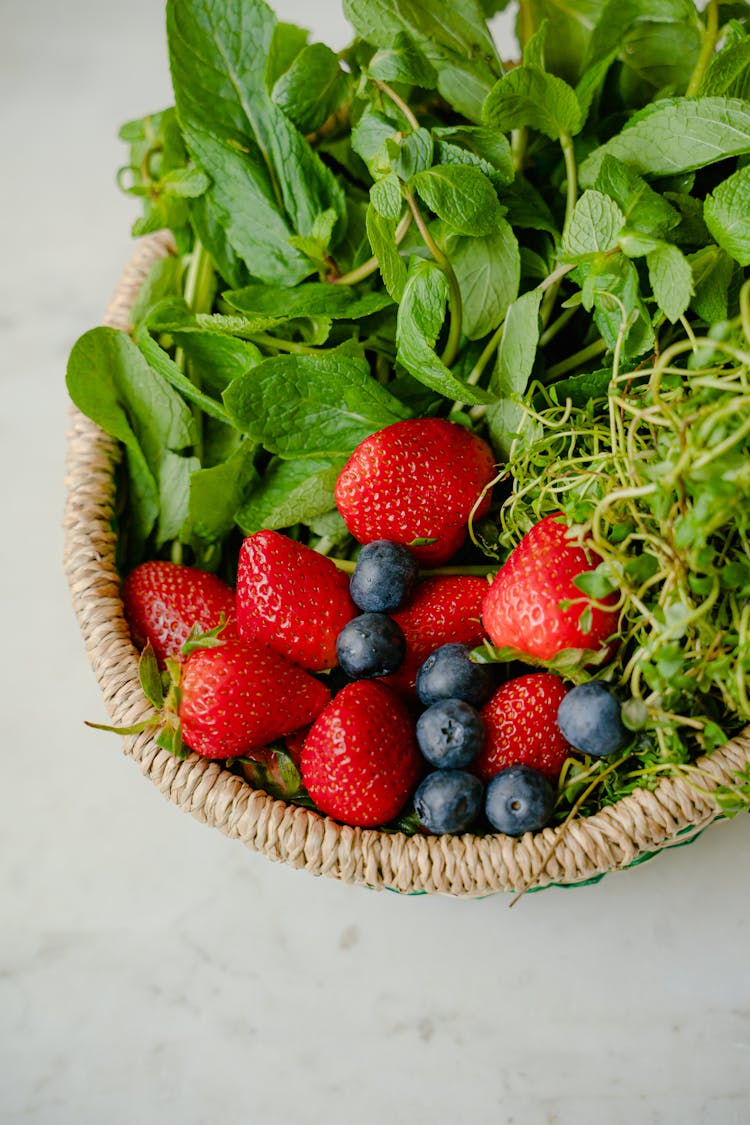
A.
pixel 151 970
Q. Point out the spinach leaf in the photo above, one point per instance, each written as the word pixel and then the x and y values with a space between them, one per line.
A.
pixel 110 381
pixel 311 405
pixel 290 492
pixel 216 495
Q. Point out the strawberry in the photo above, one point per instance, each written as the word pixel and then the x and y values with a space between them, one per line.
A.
pixel 238 696
pixel 360 760
pixel 522 609
pixel 292 599
pixel 520 727
pixel 443 609
pixel 163 601
pixel 414 480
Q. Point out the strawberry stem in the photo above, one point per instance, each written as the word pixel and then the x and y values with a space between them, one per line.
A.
pixel 483 571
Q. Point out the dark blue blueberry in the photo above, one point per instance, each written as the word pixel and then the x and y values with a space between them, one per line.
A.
pixel 450 733
pixel 519 799
pixel 589 718
pixel 384 576
pixel 448 800
pixel 372 644
pixel 449 673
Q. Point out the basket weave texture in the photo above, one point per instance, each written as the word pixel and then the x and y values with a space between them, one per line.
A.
pixel 466 865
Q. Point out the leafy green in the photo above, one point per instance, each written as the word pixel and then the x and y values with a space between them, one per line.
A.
pixel 552 253
pixel 308 405
pixel 461 196
pixel 677 135
pixel 312 88
pixel 530 96
pixel 727 214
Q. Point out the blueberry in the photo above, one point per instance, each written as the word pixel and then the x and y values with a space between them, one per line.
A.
pixel 384 576
pixel 589 718
pixel 448 800
pixel 372 644
pixel 449 673
pixel 519 799
pixel 450 733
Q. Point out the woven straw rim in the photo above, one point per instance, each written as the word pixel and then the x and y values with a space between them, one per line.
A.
pixel 466 865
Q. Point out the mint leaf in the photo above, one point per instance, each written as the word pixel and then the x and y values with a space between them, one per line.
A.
pixel 312 88
pixel 728 71
pixel 420 318
pixel 410 154
pixel 569 30
pixel 287 40
pixel 381 233
pixel 671 280
pixel 486 148
pixel 610 287
pixel 403 62
pixel 268 183
pixel 712 270
pixel 594 226
pixel 515 360
pixel 643 208
pixel 463 197
pixel 314 298
pixel 386 197
pixel 452 36
pixel 529 96
pixel 488 269
pixel 311 405
pixel 676 135
pixel 727 214
pixel 290 492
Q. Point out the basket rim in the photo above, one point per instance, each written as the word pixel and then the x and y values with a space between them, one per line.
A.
pixel 618 836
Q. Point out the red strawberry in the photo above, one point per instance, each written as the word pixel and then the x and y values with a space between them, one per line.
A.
pixel 413 480
pixel 520 726
pixel 442 610
pixel 361 761
pixel 163 601
pixel 522 609
pixel 238 696
pixel 291 598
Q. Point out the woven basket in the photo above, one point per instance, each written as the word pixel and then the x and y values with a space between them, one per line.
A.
pixel 626 833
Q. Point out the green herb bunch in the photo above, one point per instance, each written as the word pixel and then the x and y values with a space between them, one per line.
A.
pixel 553 252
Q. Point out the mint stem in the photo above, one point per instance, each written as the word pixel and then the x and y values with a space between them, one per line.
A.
pixel 710 35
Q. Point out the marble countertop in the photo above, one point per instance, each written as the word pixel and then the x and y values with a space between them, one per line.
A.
pixel 152 970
